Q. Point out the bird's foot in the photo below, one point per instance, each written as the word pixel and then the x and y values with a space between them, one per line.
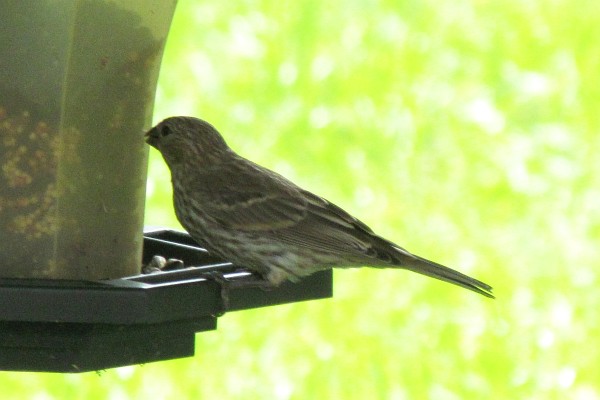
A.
pixel 227 285
pixel 160 264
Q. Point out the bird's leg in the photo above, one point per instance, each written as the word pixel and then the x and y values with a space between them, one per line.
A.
pixel 159 263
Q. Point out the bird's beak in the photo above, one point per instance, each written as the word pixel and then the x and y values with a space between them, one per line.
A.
pixel 152 137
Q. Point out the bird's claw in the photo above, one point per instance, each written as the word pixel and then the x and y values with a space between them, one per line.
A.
pixel 225 286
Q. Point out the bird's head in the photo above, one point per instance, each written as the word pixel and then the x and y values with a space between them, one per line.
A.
pixel 187 139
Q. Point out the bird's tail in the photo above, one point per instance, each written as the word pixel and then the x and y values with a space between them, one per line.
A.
pixel 432 269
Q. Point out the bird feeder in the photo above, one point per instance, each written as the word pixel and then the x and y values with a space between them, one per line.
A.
pixel 77 84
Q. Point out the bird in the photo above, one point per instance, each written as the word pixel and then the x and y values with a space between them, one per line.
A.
pixel 255 218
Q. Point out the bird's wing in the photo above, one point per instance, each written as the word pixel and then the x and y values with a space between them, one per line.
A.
pixel 329 228
pixel 258 211
pixel 264 202
pixel 242 198
pixel 323 209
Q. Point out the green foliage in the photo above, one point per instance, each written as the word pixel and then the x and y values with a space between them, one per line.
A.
pixel 467 131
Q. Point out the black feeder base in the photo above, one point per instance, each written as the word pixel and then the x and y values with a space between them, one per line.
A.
pixel 79 326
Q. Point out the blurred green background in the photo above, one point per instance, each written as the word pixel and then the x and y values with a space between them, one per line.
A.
pixel 466 131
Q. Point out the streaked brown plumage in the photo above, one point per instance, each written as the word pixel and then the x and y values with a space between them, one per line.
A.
pixel 254 217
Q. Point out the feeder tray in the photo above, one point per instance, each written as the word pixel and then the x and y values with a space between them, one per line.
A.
pixel 78 326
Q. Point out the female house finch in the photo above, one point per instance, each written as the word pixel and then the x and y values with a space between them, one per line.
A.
pixel 254 217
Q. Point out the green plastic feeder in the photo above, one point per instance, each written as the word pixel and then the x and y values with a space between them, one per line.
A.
pixel 77 84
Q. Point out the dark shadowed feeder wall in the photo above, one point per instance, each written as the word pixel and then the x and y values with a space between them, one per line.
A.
pixel 77 84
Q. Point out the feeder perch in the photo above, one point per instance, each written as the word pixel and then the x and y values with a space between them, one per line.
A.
pixel 77 326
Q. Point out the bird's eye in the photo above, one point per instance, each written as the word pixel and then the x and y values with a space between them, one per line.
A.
pixel 165 131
